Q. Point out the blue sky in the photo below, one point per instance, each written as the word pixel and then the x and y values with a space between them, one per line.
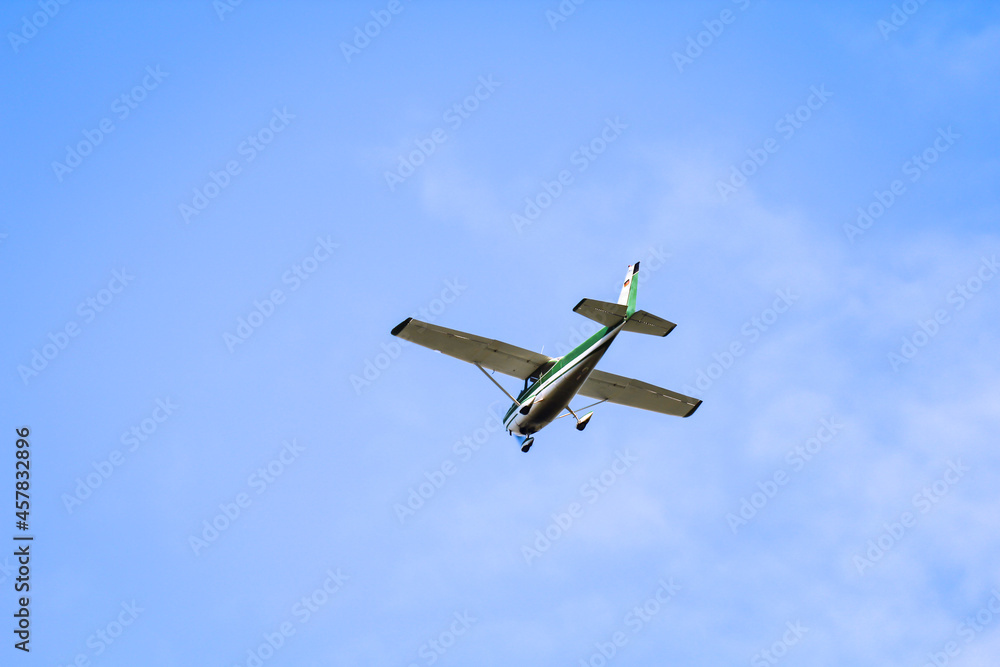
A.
pixel 212 219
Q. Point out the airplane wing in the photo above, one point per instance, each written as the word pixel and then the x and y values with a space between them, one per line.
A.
pixel 492 354
pixel 637 394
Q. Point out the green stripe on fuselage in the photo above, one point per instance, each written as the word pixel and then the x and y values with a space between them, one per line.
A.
pixel 567 359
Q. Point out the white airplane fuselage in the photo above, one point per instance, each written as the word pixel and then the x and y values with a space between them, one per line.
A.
pixel 541 403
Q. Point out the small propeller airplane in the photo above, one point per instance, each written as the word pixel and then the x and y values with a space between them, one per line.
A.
pixel 550 384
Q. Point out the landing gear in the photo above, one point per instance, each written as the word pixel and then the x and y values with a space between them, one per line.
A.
pixel 526 445
pixel 580 423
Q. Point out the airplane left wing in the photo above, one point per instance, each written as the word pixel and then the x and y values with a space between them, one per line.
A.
pixel 637 394
pixel 488 353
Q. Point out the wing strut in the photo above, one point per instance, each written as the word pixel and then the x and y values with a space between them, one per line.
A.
pixel 498 384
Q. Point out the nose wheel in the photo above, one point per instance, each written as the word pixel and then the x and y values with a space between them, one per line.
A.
pixel 526 445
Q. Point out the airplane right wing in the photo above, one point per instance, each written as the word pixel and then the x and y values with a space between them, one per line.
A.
pixel 488 353
pixel 638 394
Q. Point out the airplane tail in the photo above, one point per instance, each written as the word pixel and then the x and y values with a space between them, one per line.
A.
pixel 629 289
pixel 610 314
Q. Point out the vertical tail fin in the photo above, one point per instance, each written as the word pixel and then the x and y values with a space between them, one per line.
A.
pixel 629 289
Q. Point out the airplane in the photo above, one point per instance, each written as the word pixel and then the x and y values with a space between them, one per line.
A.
pixel 550 384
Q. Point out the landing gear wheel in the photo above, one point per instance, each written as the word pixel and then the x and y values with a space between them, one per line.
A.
pixel 527 444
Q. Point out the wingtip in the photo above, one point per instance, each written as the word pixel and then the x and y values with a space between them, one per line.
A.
pixel 696 406
pixel 399 327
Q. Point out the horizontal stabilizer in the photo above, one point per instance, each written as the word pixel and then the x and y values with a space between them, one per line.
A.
pixel 638 394
pixel 488 353
pixel 602 312
pixel 643 322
